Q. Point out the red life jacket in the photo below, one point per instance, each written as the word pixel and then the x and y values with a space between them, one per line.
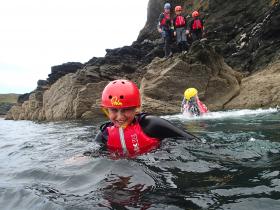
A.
pixel 202 106
pixel 164 19
pixel 197 24
pixel 180 21
pixel 130 141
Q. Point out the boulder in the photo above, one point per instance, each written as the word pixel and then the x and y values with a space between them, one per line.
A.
pixel 63 69
pixel 163 85
pixel 14 113
pixel 262 89
pixel 41 83
pixel 22 98
pixel 87 102
pixel 58 100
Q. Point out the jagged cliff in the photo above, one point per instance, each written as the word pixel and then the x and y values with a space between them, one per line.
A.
pixel 235 65
pixel 6 102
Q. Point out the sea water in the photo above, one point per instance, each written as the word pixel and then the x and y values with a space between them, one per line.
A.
pixel 235 166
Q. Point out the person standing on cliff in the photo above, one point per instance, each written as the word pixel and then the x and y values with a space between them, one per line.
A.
pixel 196 27
pixel 165 27
pixel 180 29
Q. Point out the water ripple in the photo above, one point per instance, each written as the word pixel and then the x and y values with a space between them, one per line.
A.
pixel 236 166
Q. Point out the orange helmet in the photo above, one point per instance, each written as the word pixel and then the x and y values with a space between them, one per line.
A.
pixel 120 94
pixel 178 8
pixel 195 14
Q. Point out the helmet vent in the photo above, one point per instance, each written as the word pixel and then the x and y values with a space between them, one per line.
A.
pixel 121 97
pixel 110 97
pixel 114 82
pixel 123 82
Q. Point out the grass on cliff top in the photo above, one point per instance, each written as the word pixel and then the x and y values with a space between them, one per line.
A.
pixel 9 98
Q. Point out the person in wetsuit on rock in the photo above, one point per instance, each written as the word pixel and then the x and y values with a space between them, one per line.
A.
pixel 165 28
pixel 129 132
pixel 180 29
pixel 196 27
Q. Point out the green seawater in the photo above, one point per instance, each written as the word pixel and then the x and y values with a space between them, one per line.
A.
pixel 235 166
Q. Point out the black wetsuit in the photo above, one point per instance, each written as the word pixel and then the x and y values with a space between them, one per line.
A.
pixel 152 126
pixel 196 32
pixel 167 33
pixel 181 36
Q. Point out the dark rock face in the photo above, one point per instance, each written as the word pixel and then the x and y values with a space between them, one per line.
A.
pixel 61 70
pixel 246 32
pixel 149 31
pixel 22 98
pixel 42 83
pixel 124 62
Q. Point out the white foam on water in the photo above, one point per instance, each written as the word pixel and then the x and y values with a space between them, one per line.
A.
pixel 223 114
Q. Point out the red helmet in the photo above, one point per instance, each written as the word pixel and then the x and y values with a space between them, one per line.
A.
pixel 120 94
pixel 195 14
pixel 178 8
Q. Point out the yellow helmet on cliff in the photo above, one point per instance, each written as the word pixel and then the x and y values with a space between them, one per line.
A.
pixel 189 93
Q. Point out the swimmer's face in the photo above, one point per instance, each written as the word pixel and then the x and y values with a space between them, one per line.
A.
pixel 167 10
pixel 178 12
pixel 122 117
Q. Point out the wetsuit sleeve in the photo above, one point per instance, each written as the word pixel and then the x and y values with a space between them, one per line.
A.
pixel 188 23
pixel 160 128
pixel 161 16
pixel 172 24
pixel 102 135
pixel 174 21
pixel 190 26
pixel 99 138
pixel 202 24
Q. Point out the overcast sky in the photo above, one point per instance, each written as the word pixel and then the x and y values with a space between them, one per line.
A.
pixel 38 34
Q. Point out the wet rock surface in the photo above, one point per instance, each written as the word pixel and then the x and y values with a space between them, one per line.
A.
pixel 259 90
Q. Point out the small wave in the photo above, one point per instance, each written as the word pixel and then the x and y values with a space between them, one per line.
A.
pixel 223 114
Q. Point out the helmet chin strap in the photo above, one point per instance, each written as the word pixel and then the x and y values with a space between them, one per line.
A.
pixel 105 111
pixel 124 126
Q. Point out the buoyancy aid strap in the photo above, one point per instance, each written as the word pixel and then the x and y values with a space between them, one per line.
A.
pixel 125 151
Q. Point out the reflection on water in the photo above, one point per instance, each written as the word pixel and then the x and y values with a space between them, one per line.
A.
pixel 236 166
